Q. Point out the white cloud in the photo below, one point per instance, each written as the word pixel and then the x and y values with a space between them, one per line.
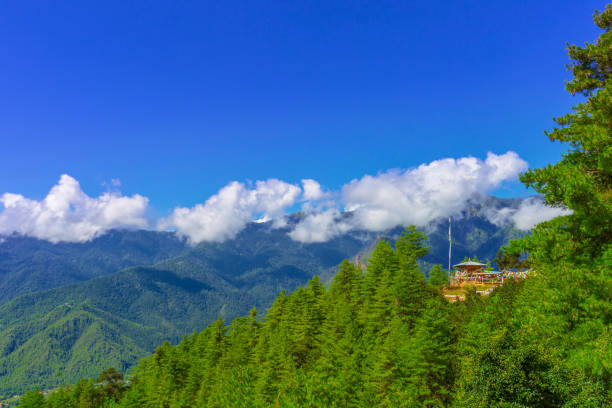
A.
pixel 112 185
pixel 500 217
pixel 430 191
pixel 393 198
pixel 312 190
pixel 415 196
pixel 320 227
pixel 226 213
pixel 530 213
pixel 68 214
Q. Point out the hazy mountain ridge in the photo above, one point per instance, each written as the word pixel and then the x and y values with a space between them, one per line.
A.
pixel 472 233
pixel 30 265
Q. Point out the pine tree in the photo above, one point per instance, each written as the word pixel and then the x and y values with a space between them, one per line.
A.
pixel 409 283
pixel 32 399
pixel 60 398
pixel 346 284
pixel 272 357
pixel 111 383
pixel 426 357
pixel 381 261
pixel 437 277
pixel 215 346
pixel 582 180
pixel 337 371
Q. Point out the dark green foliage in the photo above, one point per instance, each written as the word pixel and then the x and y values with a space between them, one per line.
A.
pixel 111 383
pixel 549 343
pixel 104 393
pixel 582 180
pixel 32 399
pixel 437 277
pixel 361 341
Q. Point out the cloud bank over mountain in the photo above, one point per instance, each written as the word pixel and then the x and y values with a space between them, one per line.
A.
pixel 430 191
pixel 392 198
pixel 226 213
pixel 414 196
pixel 321 226
pixel 68 214
pixel 530 213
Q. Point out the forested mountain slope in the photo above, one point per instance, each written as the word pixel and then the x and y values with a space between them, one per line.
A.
pixel 53 336
pixel 59 335
pixel 133 310
pixel 319 347
pixel 30 264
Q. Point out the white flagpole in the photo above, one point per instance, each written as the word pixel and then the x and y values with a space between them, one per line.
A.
pixel 449 248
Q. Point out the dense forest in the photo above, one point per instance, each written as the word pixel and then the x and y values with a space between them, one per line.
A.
pixel 386 337
pixel 53 337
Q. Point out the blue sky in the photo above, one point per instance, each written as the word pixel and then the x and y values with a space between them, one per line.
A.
pixel 176 99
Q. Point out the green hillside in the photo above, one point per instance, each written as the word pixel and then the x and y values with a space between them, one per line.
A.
pixel 30 265
pixel 138 308
pixel 52 337
pixel 117 318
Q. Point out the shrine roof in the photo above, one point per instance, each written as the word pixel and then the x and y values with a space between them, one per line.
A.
pixel 470 263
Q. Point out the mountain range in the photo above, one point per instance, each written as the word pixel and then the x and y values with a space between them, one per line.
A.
pixel 70 310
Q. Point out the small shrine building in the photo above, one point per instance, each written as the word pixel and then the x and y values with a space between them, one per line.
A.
pixel 475 273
